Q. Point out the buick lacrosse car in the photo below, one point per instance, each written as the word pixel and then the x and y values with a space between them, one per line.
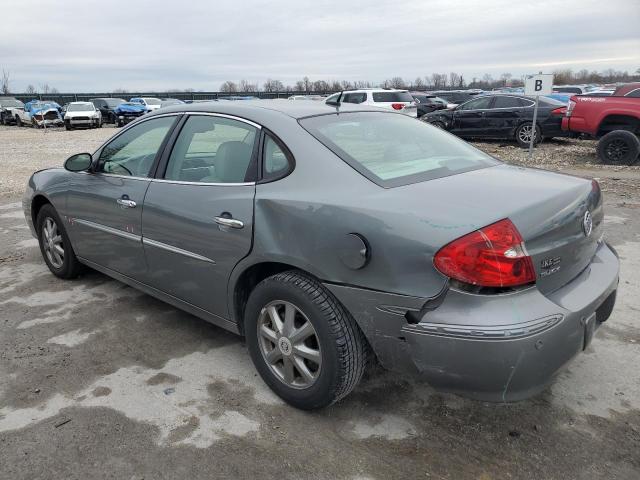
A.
pixel 331 236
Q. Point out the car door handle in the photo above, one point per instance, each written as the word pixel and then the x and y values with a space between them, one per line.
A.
pixel 229 222
pixel 126 203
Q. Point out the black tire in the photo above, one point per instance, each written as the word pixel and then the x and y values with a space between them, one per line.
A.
pixel 18 121
pixel 70 267
pixel 437 124
pixel 3 119
pixel 343 347
pixel 619 147
pixel 67 125
pixel 521 135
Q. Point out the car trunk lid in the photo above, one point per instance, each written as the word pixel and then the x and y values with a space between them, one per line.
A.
pixel 548 210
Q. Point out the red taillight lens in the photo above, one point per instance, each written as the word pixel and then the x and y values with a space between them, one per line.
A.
pixel 493 256
pixel 397 106
pixel 560 111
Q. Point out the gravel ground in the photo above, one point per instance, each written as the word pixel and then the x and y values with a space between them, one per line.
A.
pixel 100 381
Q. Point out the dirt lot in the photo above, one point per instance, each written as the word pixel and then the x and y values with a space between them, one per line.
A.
pixel 100 381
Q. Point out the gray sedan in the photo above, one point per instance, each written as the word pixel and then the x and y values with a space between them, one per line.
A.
pixel 332 236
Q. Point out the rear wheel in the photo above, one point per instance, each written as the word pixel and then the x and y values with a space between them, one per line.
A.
pixel 524 132
pixel 18 121
pixel 55 245
pixel 619 147
pixel 305 345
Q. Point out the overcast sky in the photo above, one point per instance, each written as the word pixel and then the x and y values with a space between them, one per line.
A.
pixel 100 45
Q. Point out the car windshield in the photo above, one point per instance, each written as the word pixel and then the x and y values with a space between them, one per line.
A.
pixel 392 150
pixel 11 102
pixel 392 97
pixel 152 101
pixel 113 102
pixel 80 107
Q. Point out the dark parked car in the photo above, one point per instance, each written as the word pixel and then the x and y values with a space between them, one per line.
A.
pixel 455 97
pixel 504 116
pixel 8 107
pixel 428 103
pixel 107 108
pixel 330 235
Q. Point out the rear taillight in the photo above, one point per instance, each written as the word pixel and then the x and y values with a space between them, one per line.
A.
pixel 397 106
pixel 570 108
pixel 560 111
pixel 493 256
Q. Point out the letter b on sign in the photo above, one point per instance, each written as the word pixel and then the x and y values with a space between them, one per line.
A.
pixel 538 85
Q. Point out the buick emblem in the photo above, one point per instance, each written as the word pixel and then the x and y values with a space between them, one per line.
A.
pixel 587 223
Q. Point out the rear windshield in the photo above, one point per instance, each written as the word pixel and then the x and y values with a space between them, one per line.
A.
pixel 113 102
pixel 393 150
pixel 392 97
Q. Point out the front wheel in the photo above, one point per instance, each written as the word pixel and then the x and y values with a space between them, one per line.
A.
pixel 55 245
pixel 304 344
pixel 619 147
pixel 437 124
pixel 524 132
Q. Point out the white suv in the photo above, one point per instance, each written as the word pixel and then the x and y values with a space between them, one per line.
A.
pixel 398 100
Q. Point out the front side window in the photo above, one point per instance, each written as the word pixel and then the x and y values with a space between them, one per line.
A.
pixel 392 150
pixel 133 152
pixel 212 149
pixel 507 102
pixel 476 104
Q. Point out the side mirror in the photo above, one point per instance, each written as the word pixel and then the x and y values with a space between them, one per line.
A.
pixel 80 162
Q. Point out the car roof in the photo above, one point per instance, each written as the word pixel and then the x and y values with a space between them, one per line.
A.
pixel 247 108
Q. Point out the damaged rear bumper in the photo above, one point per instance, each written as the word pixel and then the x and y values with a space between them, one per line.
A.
pixel 491 347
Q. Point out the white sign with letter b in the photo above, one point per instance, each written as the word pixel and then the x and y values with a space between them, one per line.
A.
pixel 541 84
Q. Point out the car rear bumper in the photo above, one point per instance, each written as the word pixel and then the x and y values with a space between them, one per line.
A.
pixel 490 347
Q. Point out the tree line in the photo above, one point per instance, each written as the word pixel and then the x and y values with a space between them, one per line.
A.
pixel 434 81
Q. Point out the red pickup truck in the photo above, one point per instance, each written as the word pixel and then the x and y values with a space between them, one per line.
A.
pixel 615 120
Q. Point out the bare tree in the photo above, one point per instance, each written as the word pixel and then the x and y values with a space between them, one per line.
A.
pixel 299 86
pixel 335 86
pixel 246 86
pixel 418 83
pixel 273 85
pixel 439 80
pixel 31 89
pixel 54 90
pixel 455 80
pixel 120 91
pixel 306 84
pixel 45 88
pixel 229 87
pixel 506 78
pixel 4 82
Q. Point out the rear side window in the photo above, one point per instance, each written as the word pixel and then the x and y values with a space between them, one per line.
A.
pixel 634 93
pixel 392 97
pixel 276 160
pixel 393 150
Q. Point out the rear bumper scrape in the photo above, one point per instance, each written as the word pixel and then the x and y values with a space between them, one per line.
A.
pixel 490 347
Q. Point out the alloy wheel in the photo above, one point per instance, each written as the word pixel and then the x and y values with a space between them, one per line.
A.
pixel 289 344
pixel 52 243
pixel 525 133
pixel 616 150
